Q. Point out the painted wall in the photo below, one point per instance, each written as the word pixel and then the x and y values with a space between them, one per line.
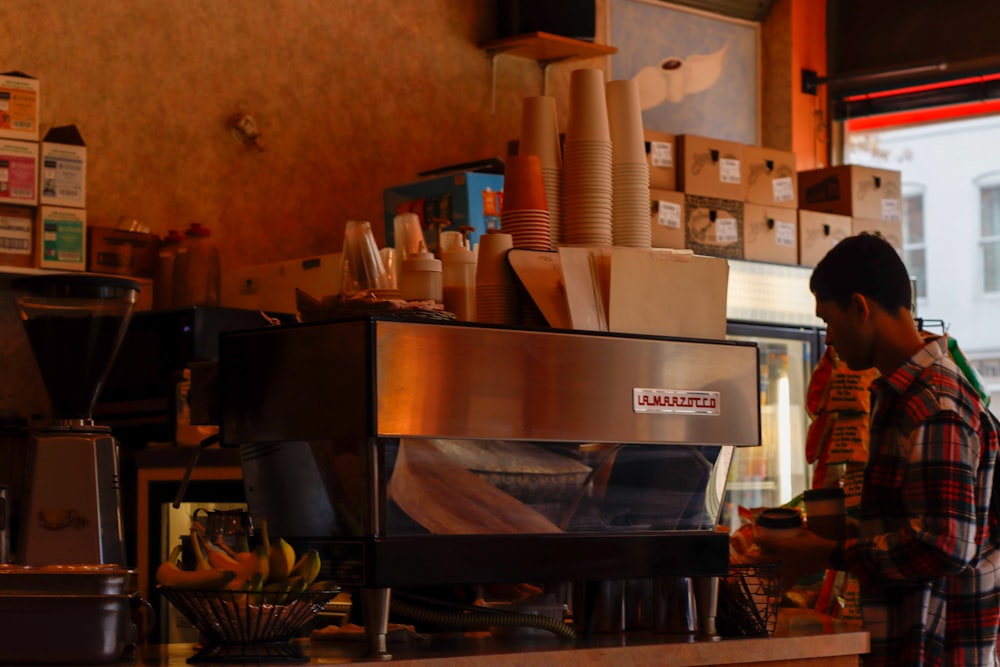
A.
pixel 350 96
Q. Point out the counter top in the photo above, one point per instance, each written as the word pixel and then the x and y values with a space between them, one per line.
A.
pixel 802 637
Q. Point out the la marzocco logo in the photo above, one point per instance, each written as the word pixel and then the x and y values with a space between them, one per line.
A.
pixel 671 401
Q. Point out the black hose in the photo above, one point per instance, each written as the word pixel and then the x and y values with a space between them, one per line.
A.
pixel 483 619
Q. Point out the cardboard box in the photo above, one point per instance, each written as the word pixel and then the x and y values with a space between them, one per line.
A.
pixel 666 213
pixel 770 234
pixel 771 177
pixel 121 252
pixel 818 232
pixel 661 157
pixel 710 167
pixel 16 231
pixel 890 230
pixel 19 106
pixel 61 239
pixel 467 198
pixel 63 168
pixel 860 192
pixel 18 172
pixel 713 226
pixel 272 286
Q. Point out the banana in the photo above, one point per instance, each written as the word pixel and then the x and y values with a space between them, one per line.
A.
pixel 256 564
pixel 307 566
pixel 322 586
pixel 168 574
pixel 200 558
pixel 281 558
pixel 276 592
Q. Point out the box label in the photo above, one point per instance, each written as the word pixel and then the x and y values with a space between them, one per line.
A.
pixel 15 235
pixel 661 153
pixel 17 177
pixel 62 176
pixel 726 230
pixel 729 171
pixel 18 108
pixel 891 209
pixel 782 189
pixel 62 240
pixel 668 214
pixel 784 234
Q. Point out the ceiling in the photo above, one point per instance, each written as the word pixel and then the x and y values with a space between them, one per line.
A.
pixel 750 10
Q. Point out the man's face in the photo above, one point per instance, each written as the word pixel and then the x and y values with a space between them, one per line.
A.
pixel 845 331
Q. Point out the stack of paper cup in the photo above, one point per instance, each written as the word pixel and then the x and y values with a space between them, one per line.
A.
pixel 630 173
pixel 525 214
pixel 540 136
pixel 496 296
pixel 587 162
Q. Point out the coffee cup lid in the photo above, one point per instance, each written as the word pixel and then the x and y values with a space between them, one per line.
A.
pixel 779 517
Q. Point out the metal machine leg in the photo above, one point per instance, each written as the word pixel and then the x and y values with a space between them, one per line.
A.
pixel 375 607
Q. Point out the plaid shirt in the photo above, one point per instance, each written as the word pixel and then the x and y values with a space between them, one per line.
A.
pixel 926 557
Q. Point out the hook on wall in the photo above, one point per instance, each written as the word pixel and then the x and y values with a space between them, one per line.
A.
pixel 244 129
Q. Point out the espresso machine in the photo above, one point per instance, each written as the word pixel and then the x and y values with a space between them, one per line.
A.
pixel 75 324
pixel 416 454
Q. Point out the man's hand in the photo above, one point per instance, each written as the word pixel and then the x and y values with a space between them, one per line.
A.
pixel 800 556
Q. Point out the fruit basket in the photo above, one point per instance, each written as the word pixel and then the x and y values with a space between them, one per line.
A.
pixel 748 600
pixel 241 626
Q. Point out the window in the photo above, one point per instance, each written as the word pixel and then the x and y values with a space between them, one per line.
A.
pixel 989 236
pixel 914 247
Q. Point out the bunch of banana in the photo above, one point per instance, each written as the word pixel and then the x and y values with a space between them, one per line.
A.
pixel 271 569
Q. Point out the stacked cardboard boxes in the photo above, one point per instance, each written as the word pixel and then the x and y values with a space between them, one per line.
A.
pixel 723 198
pixel 18 168
pixel 847 200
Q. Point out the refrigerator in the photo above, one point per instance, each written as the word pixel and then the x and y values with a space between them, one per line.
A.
pixel 771 305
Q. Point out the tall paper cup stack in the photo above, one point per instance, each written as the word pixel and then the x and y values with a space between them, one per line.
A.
pixel 630 172
pixel 540 136
pixel 587 160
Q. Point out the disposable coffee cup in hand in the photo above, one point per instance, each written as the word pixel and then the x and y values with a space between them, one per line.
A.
pixel 825 512
pixel 778 522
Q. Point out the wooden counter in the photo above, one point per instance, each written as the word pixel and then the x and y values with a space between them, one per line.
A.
pixel 802 638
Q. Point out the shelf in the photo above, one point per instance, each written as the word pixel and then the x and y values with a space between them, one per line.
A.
pixel 11 272
pixel 544 48
pixel 547 48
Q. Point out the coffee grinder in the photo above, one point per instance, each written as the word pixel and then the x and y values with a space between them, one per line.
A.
pixel 75 324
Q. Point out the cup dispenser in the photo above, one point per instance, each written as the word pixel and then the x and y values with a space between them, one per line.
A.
pixel 420 453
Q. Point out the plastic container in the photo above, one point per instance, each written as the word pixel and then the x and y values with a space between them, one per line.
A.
pixel 196 269
pixel 458 280
pixel 421 277
pixel 163 281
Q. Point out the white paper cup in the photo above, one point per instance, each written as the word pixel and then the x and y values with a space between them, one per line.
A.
pixel 825 512
pixel 625 121
pixel 588 110
pixel 540 131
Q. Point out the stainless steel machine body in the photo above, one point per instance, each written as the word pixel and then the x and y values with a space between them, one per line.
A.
pixel 426 453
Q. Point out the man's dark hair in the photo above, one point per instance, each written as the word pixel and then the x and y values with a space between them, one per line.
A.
pixel 864 264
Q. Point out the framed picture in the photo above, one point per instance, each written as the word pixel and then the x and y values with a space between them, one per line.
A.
pixel 698 73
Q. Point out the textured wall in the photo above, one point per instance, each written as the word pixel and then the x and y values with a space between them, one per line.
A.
pixel 351 97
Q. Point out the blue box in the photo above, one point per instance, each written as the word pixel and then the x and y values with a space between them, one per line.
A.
pixel 466 198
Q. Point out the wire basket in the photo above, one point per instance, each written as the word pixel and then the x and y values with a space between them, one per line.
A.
pixel 240 626
pixel 748 600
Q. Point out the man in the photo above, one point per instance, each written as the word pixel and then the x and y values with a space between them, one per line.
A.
pixel 926 555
